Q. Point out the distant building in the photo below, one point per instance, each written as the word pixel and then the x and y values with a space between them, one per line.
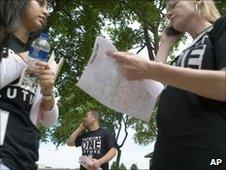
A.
pixel 46 168
pixel 42 166
pixel 150 158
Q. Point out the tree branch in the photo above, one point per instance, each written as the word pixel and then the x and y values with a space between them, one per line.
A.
pixel 148 43
pixel 142 47
pixel 125 128
pixel 120 127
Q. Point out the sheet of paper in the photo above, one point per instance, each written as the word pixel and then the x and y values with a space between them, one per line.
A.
pixel 103 81
pixel 85 161
pixel 56 67
pixel 3 124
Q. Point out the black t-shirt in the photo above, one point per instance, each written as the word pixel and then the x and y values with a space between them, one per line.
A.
pixel 16 45
pixel 191 128
pixel 96 144
pixel 20 148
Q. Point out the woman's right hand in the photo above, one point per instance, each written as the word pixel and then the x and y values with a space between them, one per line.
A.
pixel 168 39
pixel 166 43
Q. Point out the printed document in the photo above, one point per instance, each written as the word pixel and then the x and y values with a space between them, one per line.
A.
pixel 103 81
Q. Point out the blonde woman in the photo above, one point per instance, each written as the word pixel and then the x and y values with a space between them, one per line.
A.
pixel 191 118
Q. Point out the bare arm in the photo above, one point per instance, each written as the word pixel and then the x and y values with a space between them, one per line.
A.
pixel 163 53
pixel 46 81
pixel 48 103
pixel 207 83
pixel 106 158
pixel 166 43
pixel 74 135
pixel 49 108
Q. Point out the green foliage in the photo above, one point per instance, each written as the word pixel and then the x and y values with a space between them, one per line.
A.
pixel 122 166
pixel 134 167
pixel 44 133
pixel 221 6
pixel 113 166
pixel 146 133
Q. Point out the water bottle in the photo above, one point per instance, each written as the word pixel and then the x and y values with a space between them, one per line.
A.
pixel 39 50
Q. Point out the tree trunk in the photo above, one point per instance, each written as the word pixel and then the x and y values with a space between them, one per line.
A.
pixel 118 159
pixel 148 42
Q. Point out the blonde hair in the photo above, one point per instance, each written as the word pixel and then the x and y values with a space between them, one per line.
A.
pixel 209 11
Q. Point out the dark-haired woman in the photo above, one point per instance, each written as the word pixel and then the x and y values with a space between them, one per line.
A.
pixel 20 109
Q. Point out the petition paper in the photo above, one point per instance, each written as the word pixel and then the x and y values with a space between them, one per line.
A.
pixel 103 81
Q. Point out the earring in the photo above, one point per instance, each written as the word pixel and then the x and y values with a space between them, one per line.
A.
pixel 197 9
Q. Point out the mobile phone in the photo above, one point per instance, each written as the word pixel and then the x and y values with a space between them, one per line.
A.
pixel 171 31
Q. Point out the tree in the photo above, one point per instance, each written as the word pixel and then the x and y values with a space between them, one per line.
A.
pixel 134 167
pixel 73 26
pixel 113 166
pixel 122 166
pixel 221 6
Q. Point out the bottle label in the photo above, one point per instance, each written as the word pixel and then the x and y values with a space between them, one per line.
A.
pixel 29 81
pixel 38 54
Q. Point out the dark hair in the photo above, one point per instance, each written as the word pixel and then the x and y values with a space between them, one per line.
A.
pixel 10 19
pixel 96 114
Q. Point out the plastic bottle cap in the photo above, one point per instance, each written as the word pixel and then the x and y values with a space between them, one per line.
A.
pixel 44 36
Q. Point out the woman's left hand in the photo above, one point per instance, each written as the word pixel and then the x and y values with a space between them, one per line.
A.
pixel 133 67
pixel 46 77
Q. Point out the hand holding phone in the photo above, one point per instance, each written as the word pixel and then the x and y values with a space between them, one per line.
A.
pixel 171 31
pixel 170 36
pixel 82 126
